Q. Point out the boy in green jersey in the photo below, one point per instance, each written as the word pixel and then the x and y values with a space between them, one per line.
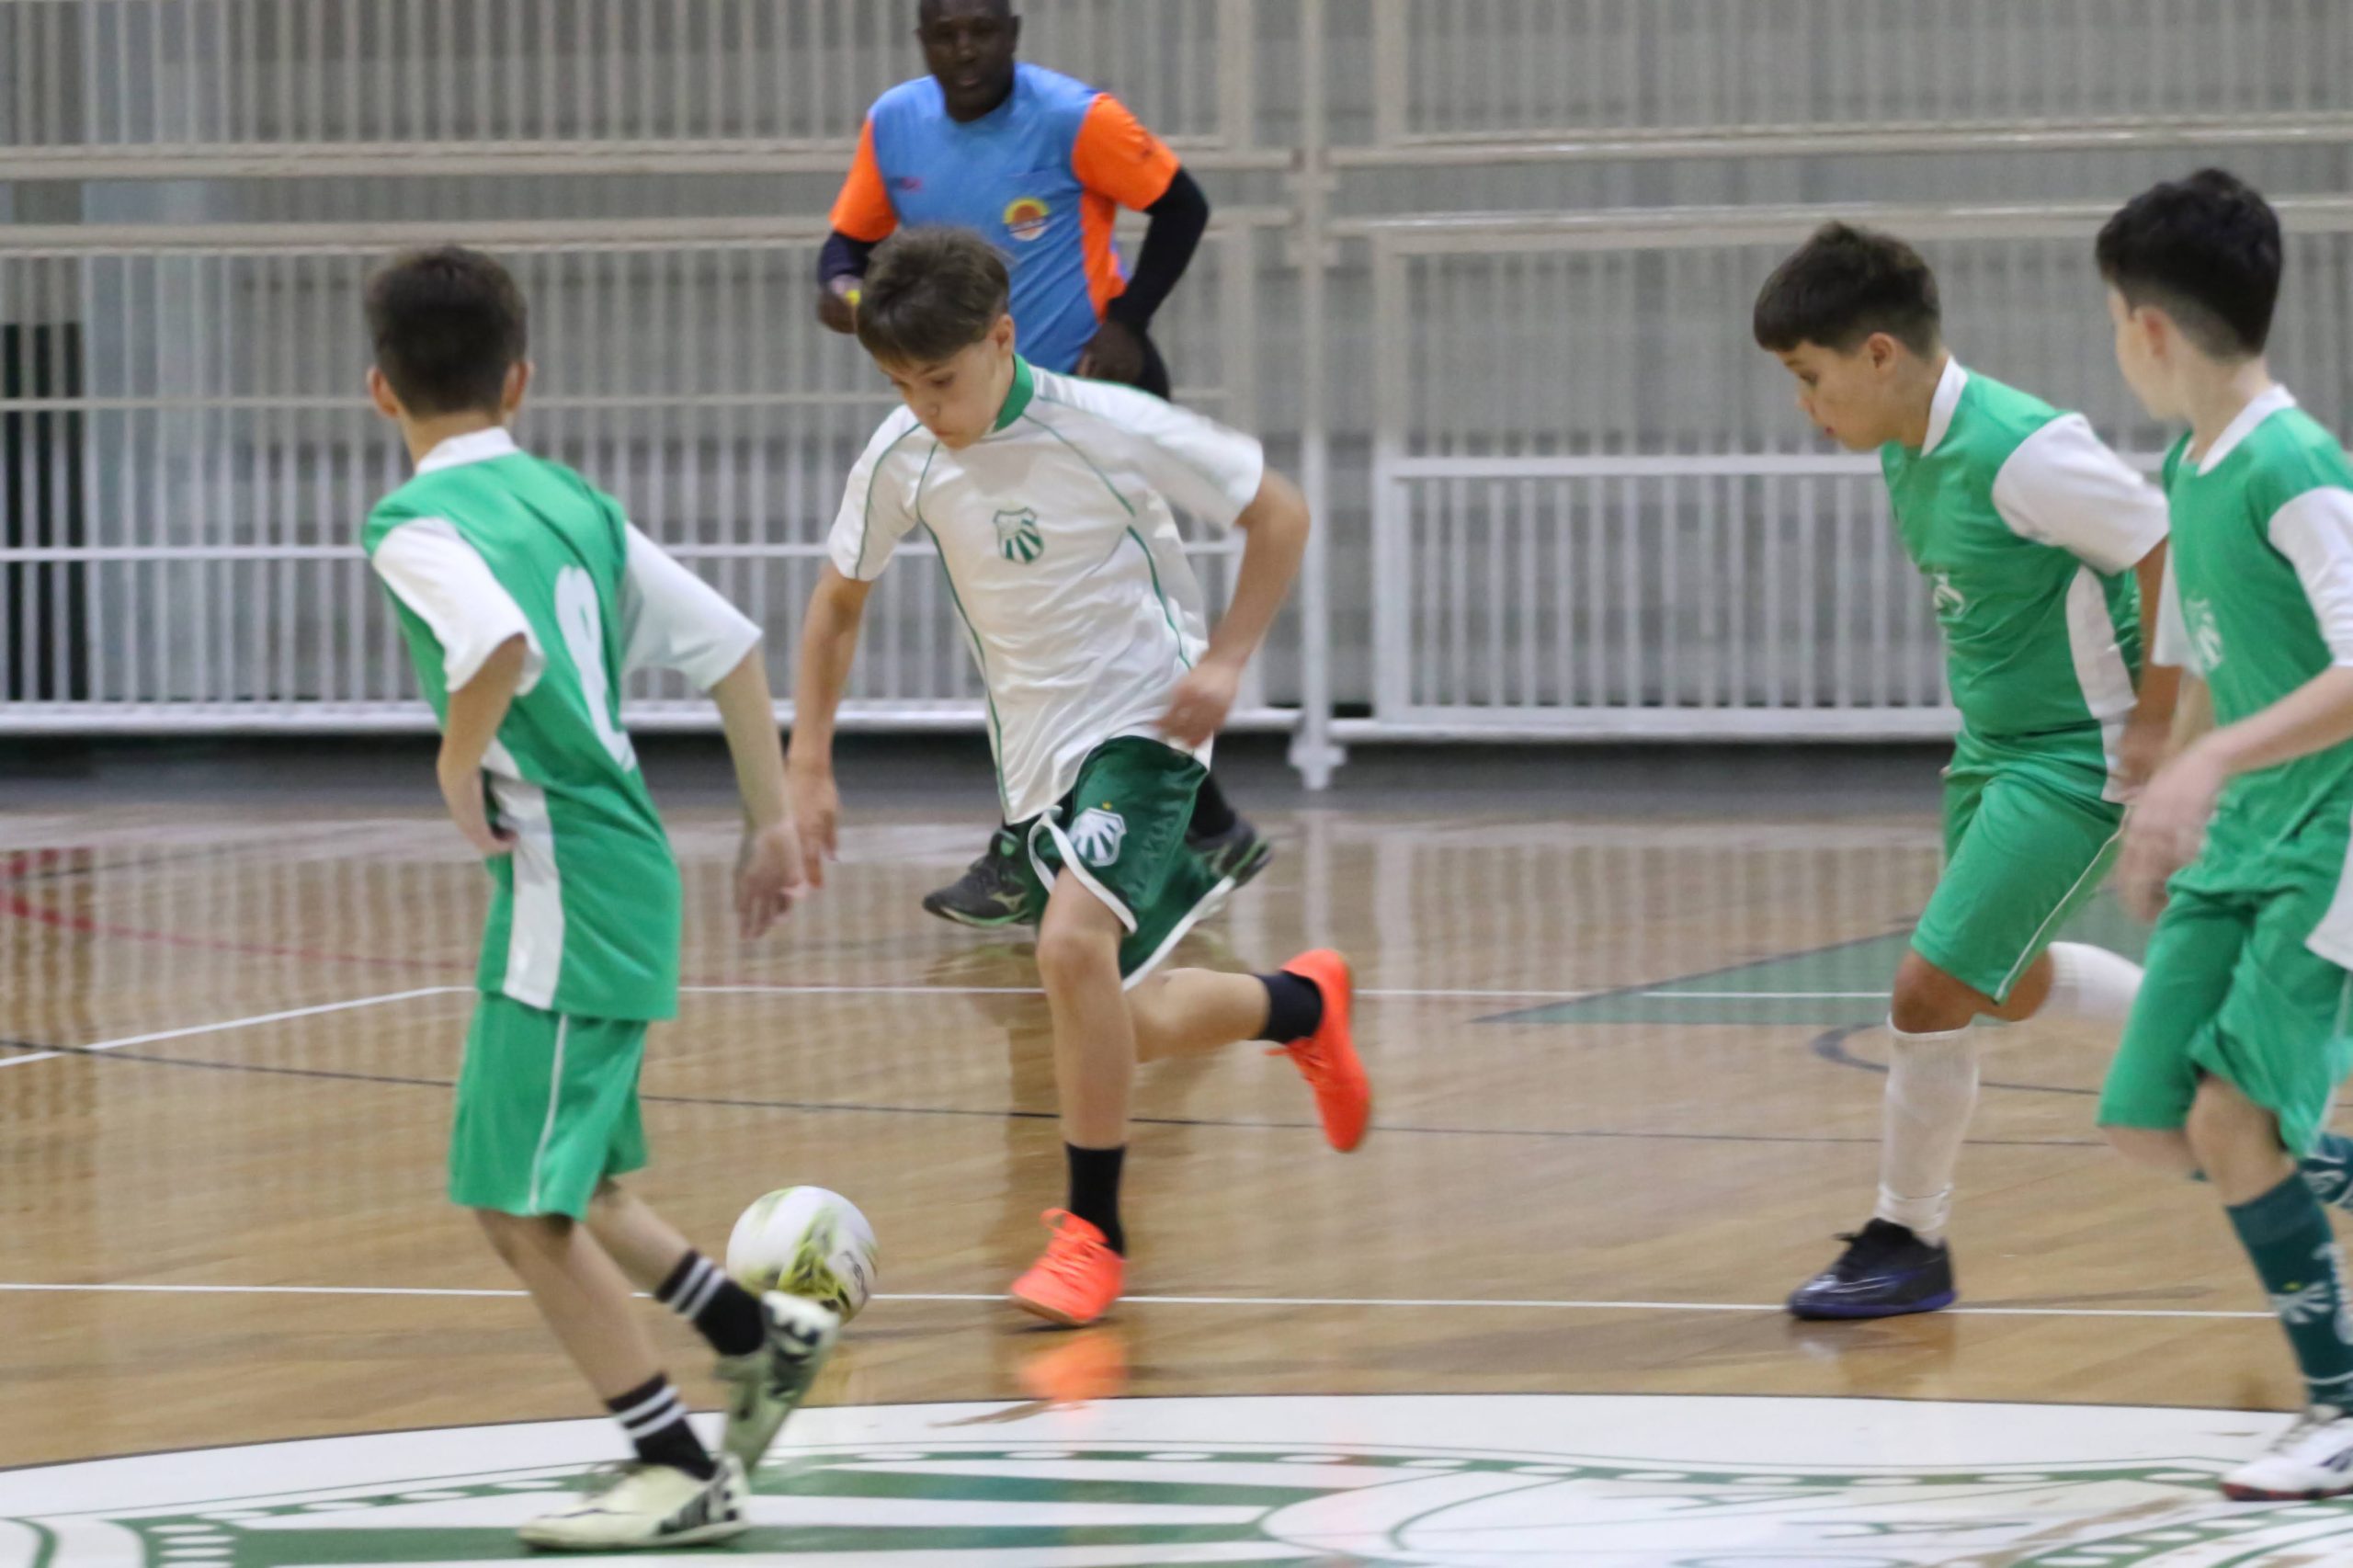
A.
pixel 2245 839
pixel 1049 500
pixel 525 595
pixel 2040 543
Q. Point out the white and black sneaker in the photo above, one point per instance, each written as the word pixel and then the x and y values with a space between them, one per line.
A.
pixel 647 1507
pixel 2311 1459
pixel 769 1384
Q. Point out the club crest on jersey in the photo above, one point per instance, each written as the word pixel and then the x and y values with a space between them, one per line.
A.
pixel 1017 537
pixel 2205 633
pixel 1025 219
pixel 1097 834
pixel 1950 602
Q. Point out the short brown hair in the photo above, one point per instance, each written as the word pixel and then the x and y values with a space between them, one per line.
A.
pixel 448 325
pixel 930 294
pixel 1844 284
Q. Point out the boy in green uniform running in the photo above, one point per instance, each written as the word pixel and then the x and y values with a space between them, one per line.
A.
pixel 525 595
pixel 1049 500
pixel 2239 1038
pixel 2040 543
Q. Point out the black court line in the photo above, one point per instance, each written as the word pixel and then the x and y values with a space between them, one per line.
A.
pixel 1832 1047
pixel 1016 1114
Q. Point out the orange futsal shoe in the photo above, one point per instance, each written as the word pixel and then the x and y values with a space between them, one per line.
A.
pixel 1327 1059
pixel 1077 1280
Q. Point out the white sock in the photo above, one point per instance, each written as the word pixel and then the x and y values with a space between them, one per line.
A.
pixel 2090 982
pixel 1931 1089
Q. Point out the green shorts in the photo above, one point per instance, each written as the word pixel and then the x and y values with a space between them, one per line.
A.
pixel 2027 841
pixel 1121 832
pixel 2232 991
pixel 547 1109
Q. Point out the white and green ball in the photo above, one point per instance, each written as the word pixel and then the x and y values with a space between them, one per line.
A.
pixel 806 1242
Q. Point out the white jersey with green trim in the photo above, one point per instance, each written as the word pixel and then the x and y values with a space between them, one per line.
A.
pixel 1057 536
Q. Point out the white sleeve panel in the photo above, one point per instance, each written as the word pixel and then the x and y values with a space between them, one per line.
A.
pixel 2315 532
pixel 2171 646
pixel 2064 487
pixel 672 620
pixel 452 588
pixel 878 506
pixel 1199 466
pixel 1208 470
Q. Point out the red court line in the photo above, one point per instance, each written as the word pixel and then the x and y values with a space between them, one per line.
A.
pixel 23 909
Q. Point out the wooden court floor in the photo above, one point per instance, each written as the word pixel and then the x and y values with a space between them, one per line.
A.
pixel 1625 1099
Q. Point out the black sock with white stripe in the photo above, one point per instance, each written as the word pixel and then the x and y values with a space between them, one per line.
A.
pixel 655 1419
pixel 721 1311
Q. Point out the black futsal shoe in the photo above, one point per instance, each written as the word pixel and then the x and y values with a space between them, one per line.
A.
pixel 1885 1272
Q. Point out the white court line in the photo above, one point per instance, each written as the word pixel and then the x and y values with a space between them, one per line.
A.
pixel 228 1024
pixel 1763 1308
pixel 1372 993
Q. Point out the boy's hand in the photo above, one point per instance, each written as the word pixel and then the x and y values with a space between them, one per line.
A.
pixel 768 880
pixel 2166 829
pixel 837 305
pixel 817 809
pixel 1198 707
pixel 1116 354
pixel 462 792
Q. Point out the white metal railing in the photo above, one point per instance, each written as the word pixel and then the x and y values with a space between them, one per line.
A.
pixel 222 459
pixel 1633 535
pixel 1572 439
pixel 1851 71
pixel 236 88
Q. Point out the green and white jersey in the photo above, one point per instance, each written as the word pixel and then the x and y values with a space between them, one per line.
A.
pixel 2259 601
pixel 1062 557
pixel 487 543
pixel 2029 528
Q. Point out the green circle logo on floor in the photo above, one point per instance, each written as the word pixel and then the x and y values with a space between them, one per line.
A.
pixel 1475 1482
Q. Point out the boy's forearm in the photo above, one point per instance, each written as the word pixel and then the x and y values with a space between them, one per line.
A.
pixel 478 707
pixel 2160 684
pixel 828 644
pixel 2160 693
pixel 1274 539
pixel 2314 717
pixel 748 714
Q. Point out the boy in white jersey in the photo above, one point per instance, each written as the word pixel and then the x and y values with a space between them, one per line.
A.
pixel 2234 1052
pixel 524 596
pixel 2039 540
pixel 1049 501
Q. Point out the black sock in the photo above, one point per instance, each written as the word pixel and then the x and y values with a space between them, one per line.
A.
pixel 1212 814
pixel 721 1311
pixel 1294 1007
pixel 1095 1191
pixel 655 1419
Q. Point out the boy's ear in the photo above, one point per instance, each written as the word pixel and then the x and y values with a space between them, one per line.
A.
pixel 519 381
pixel 380 394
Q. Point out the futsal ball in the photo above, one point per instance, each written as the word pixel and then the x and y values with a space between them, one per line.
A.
pixel 805 1242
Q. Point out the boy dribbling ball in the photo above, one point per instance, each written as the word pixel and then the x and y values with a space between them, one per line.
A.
pixel 525 595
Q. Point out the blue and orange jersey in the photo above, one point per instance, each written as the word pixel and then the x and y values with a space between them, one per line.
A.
pixel 1042 176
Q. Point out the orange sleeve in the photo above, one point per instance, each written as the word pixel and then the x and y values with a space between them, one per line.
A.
pixel 1114 156
pixel 863 208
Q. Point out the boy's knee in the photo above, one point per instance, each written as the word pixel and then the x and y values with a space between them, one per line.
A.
pixel 1928 1001
pixel 1069 954
pixel 517 1236
pixel 2153 1148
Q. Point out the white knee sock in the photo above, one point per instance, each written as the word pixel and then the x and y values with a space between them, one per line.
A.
pixel 1931 1089
pixel 2090 982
